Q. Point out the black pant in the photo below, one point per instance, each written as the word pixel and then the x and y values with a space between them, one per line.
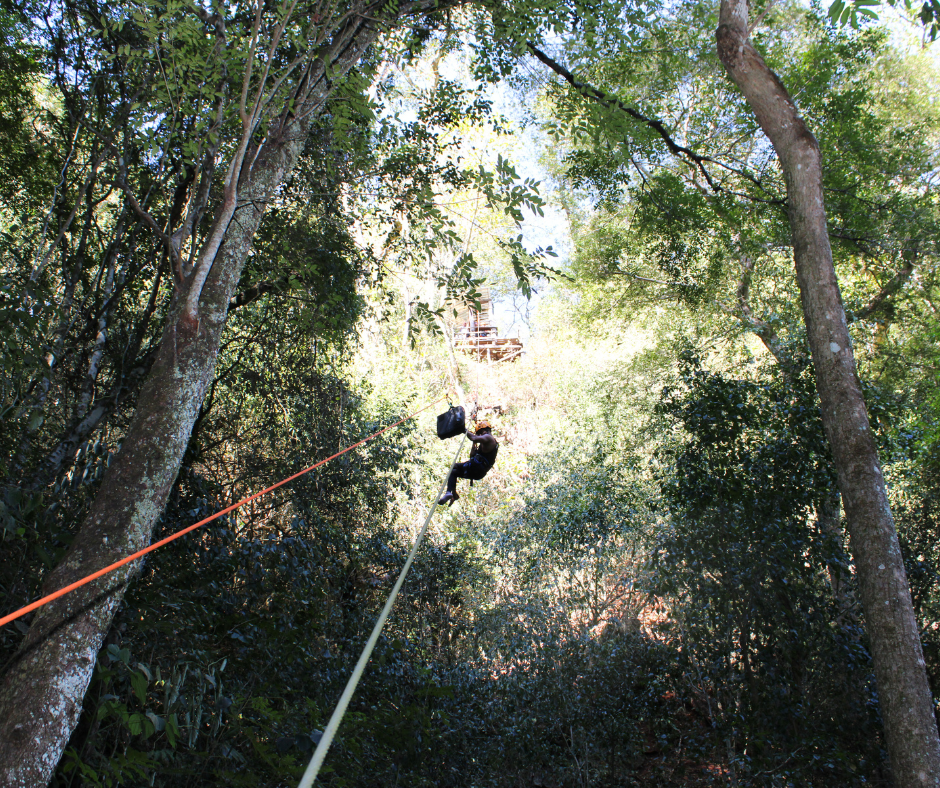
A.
pixel 475 468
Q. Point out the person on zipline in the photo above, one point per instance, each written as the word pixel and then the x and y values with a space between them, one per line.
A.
pixel 482 458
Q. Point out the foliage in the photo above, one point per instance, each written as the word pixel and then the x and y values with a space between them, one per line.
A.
pixel 917 510
pixel 635 595
pixel 747 556
pixel 855 13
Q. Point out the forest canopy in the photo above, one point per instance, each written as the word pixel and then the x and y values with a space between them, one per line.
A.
pixel 236 238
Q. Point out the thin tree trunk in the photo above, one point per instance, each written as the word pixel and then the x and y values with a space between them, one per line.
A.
pixel 828 521
pixel 68 446
pixel 41 695
pixel 903 692
pixel 126 385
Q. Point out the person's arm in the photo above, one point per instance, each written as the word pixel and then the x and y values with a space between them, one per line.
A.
pixel 483 442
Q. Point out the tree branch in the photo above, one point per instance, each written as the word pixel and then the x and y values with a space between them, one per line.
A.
pixel 176 262
pixel 258 290
pixel 605 99
pixel 880 299
pixel 63 454
pixel 761 328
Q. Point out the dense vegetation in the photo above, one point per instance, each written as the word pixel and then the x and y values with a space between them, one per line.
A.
pixel 654 586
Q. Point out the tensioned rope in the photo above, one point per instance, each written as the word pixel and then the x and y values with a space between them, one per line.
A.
pixel 150 548
pixel 319 754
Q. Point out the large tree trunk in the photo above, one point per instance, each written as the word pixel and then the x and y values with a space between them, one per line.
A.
pixel 41 695
pixel 903 692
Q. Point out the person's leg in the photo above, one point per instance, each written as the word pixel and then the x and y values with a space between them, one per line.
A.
pixel 476 469
pixel 459 471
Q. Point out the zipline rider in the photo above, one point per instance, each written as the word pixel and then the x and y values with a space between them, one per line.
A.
pixel 482 458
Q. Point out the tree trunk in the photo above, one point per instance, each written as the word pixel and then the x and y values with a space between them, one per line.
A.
pixel 41 694
pixel 903 692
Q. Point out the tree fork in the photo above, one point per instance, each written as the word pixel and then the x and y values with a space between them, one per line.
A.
pixel 903 691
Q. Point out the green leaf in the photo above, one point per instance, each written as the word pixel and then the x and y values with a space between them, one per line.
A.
pixel 139 683
pixel 158 722
pixel 44 556
pixel 836 9
pixel 172 729
pixel 135 723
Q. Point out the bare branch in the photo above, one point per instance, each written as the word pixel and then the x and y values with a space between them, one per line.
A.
pixel 176 262
pixel 42 262
pixel 880 300
pixel 64 452
pixel 605 99
pixel 249 65
pixel 763 15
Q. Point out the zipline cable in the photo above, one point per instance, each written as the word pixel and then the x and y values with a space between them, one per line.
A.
pixel 150 548
pixel 319 754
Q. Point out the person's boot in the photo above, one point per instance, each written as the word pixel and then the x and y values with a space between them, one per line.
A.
pixel 448 498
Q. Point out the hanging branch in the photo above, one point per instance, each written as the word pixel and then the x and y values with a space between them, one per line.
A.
pixel 612 102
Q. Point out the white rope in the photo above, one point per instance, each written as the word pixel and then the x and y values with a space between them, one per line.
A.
pixel 320 753
pixel 478 364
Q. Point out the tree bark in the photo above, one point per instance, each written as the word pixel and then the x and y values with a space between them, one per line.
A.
pixel 41 694
pixel 903 691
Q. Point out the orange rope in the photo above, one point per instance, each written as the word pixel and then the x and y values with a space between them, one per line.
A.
pixel 150 548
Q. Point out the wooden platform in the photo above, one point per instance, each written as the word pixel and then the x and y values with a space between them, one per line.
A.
pixel 475 334
pixel 489 346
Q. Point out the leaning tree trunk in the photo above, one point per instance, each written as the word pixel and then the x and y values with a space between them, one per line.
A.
pixel 41 695
pixel 903 692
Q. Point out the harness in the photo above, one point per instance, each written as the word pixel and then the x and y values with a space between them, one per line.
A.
pixel 489 458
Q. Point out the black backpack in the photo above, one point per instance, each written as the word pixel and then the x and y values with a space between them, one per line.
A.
pixel 451 423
